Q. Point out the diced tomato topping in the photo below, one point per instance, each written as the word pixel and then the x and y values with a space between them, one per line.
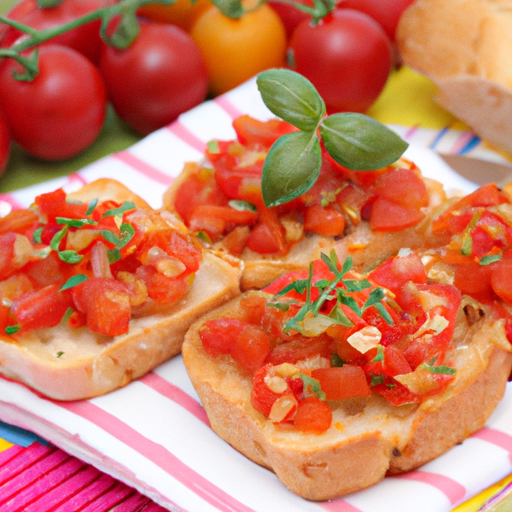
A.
pixel 252 132
pixel 325 221
pixel 313 416
pixel 55 204
pixel 18 221
pixel 347 381
pixel 473 279
pixel 41 308
pixel 262 397
pixel 388 215
pixel 106 304
pixel 162 289
pixel 398 270
pixel 501 279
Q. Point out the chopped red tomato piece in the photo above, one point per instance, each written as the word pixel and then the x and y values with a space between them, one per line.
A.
pixel 347 381
pixel 388 215
pixel 501 279
pixel 253 132
pixel 41 308
pixel 325 221
pixel 313 415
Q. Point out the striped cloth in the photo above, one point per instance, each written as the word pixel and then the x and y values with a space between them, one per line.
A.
pixel 153 435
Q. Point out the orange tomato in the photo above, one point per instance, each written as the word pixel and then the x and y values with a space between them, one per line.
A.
pixel 236 50
pixel 182 13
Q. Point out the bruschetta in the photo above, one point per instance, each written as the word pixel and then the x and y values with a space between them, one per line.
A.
pixel 97 288
pixel 334 378
pixel 365 214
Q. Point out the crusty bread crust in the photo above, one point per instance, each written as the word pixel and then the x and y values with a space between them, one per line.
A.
pixel 361 446
pixel 464 47
pixel 71 364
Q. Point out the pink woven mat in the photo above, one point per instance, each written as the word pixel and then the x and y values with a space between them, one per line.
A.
pixel 41 478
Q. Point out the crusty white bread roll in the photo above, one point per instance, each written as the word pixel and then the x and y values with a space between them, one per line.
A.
pixel 464 47
pixel 69 364
pixel 361 446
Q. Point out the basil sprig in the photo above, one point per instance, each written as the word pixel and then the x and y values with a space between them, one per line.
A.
pixel 292 166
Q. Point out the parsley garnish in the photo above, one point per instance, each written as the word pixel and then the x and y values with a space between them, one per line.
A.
pixel 91 206
pixel 12 329
pixel 330 290
pixel 118 212
pixel 311 386
pixel 73 281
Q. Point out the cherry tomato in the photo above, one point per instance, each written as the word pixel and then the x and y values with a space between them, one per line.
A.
pixel 387 13
pixel 347 57
pixel 160 76
pixel 61 111
pixel 236 50
pixel 182 13
pixel 5 144
pixel 290 15
pixel 85 39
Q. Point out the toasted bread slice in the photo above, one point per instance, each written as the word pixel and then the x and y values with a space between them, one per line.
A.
pixel 463 46
pixel 361 446
pixel 67 363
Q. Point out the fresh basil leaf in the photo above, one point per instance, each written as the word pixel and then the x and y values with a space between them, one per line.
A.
pixel 71 257
pixel 73 281
pixel 291 168
pixel 242 206
pixel 360 142
pixel 118 212
pixel 291 97
pixel 75 223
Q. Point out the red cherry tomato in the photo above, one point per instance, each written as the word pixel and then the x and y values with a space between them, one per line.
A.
pixel 61 111
pixel 85 39
pixel 160 76
pixel 347 57
pixel 387 14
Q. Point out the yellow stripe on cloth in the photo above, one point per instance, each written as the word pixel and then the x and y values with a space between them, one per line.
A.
pixel 4 444
pixel 474 504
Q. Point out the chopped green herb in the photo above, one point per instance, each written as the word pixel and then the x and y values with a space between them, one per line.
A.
pixel 379 357
pixel 119 212
pixel 75 223
pixel 213 147
pixel 91 206
pixel 73 281
pixel 310 385
pixel 71 257
pixel 242 206
pixel 113 255
pixel 492 258
pixel 36 235
pixel 336 360
pixel 12 329
pixel 57 238
pixel 59 354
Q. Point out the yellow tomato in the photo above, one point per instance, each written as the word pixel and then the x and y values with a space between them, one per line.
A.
pixel 182 12
pixel 236 50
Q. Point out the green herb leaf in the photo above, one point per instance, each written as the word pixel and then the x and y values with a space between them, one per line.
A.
pixel 291 97
pixel 242 206
pixel 57 238
pixel 213 147
pixel 92 206
pixel 12 329
pixel 311 386
pixel 113 255
pixel 492 258
pixel 379 357
pixel 75 223
pixel 73 281
pixel 441 369
pixel 71 257
pixel 125 235
pixel 230 8
pixel 36 235
pixel 291 167
pixel 59 354
pixel 360 142
pixel 119 212
pixel 340 317
pixel 336 360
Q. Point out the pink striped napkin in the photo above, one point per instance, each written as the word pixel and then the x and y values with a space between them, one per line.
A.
pixel 153 435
